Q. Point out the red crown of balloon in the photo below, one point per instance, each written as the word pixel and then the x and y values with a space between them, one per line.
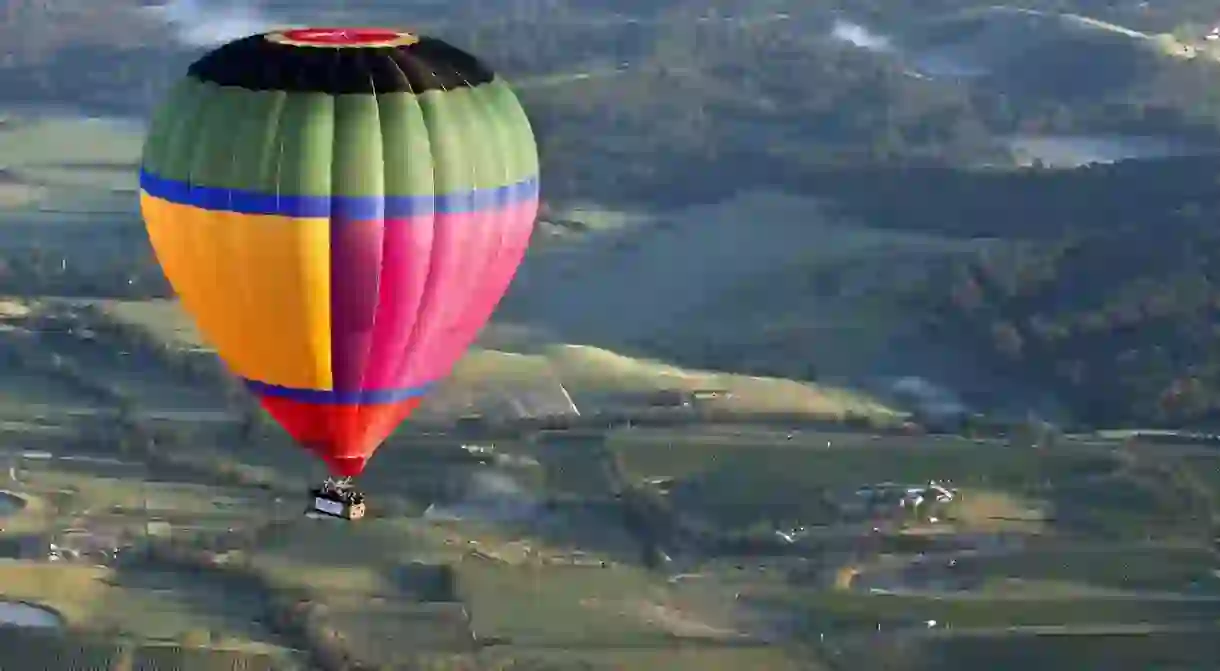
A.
pixel 343 37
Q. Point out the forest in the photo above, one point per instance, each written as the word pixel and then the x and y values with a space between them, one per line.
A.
pixel 1105 281
pixel 1104 284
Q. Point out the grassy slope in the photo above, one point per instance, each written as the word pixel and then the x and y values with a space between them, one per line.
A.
pixel 1011 28
pixel 580 368
pixel 73 166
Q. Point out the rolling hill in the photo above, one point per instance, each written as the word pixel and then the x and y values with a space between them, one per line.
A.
pixel 1063 56
pixel 544 378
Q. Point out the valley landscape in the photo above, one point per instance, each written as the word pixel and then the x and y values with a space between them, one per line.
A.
pixel 844 342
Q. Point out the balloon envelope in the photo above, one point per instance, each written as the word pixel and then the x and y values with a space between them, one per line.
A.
pixel 340 211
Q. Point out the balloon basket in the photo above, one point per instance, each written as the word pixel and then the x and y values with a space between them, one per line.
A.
pixel 341 502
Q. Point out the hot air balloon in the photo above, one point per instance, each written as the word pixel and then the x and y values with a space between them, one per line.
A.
pixel 340 211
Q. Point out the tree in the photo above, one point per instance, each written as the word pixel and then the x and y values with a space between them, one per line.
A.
pixel 125 418
pixel 252 426
pixel 1008 340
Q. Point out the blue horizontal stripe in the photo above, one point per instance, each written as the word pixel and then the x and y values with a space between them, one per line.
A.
pixel 352 208
pixel 332 397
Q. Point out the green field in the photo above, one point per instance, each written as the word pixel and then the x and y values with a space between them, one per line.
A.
pixel 144 602
pixel 738 477
pixel 1186 651
pixel 33 393
pixel 533 609
pixel 74 169
pixel 138 376
pixel 603 614
pixel 148 604
pixel 675 657
pixel 65 371
pixel 25 649
pixel 135 492
pixel 750 465
pixel 1145 568
pixel 556 605
pixel 851 611
pixel 574 465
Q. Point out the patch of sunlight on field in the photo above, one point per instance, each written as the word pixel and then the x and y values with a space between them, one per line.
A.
pixel 591 368
pixel 597 217
pixel 90 145
pixel 34 515
pixel 580 368
pixel 68 170
pixel 77 592
pixel 553 604
pixel 344 560
pixel 85 203
pixel 18 195
pixel 983 510
pixel 99 598
pixel 346 581
pixel 164 319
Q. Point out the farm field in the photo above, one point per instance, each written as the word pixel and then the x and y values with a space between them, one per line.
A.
pixel 514 581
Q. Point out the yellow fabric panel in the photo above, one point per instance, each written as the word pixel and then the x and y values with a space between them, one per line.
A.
pixel 258 287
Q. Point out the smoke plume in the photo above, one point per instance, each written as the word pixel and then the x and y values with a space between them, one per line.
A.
pixel 206 23
pixel 859 36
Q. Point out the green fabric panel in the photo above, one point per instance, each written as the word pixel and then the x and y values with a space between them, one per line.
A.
pixel 438 142
pixel 255 142
pixel 260 141
pixel 213 149
pixel 306 144
pixel 525 144
pixel 514 136
pixel 477 138
pixel 492 160
pixel 405 147
pixel 359 168
pixel 449 122
pixel 161 126
pixel 173 153
pixel 453 141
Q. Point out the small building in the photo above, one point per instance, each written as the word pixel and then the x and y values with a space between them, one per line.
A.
pixel 872 499
pixel 481 453
pixel 99 546
pixel 662 483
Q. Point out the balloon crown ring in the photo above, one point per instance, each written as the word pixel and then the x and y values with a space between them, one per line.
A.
pixel 337 38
